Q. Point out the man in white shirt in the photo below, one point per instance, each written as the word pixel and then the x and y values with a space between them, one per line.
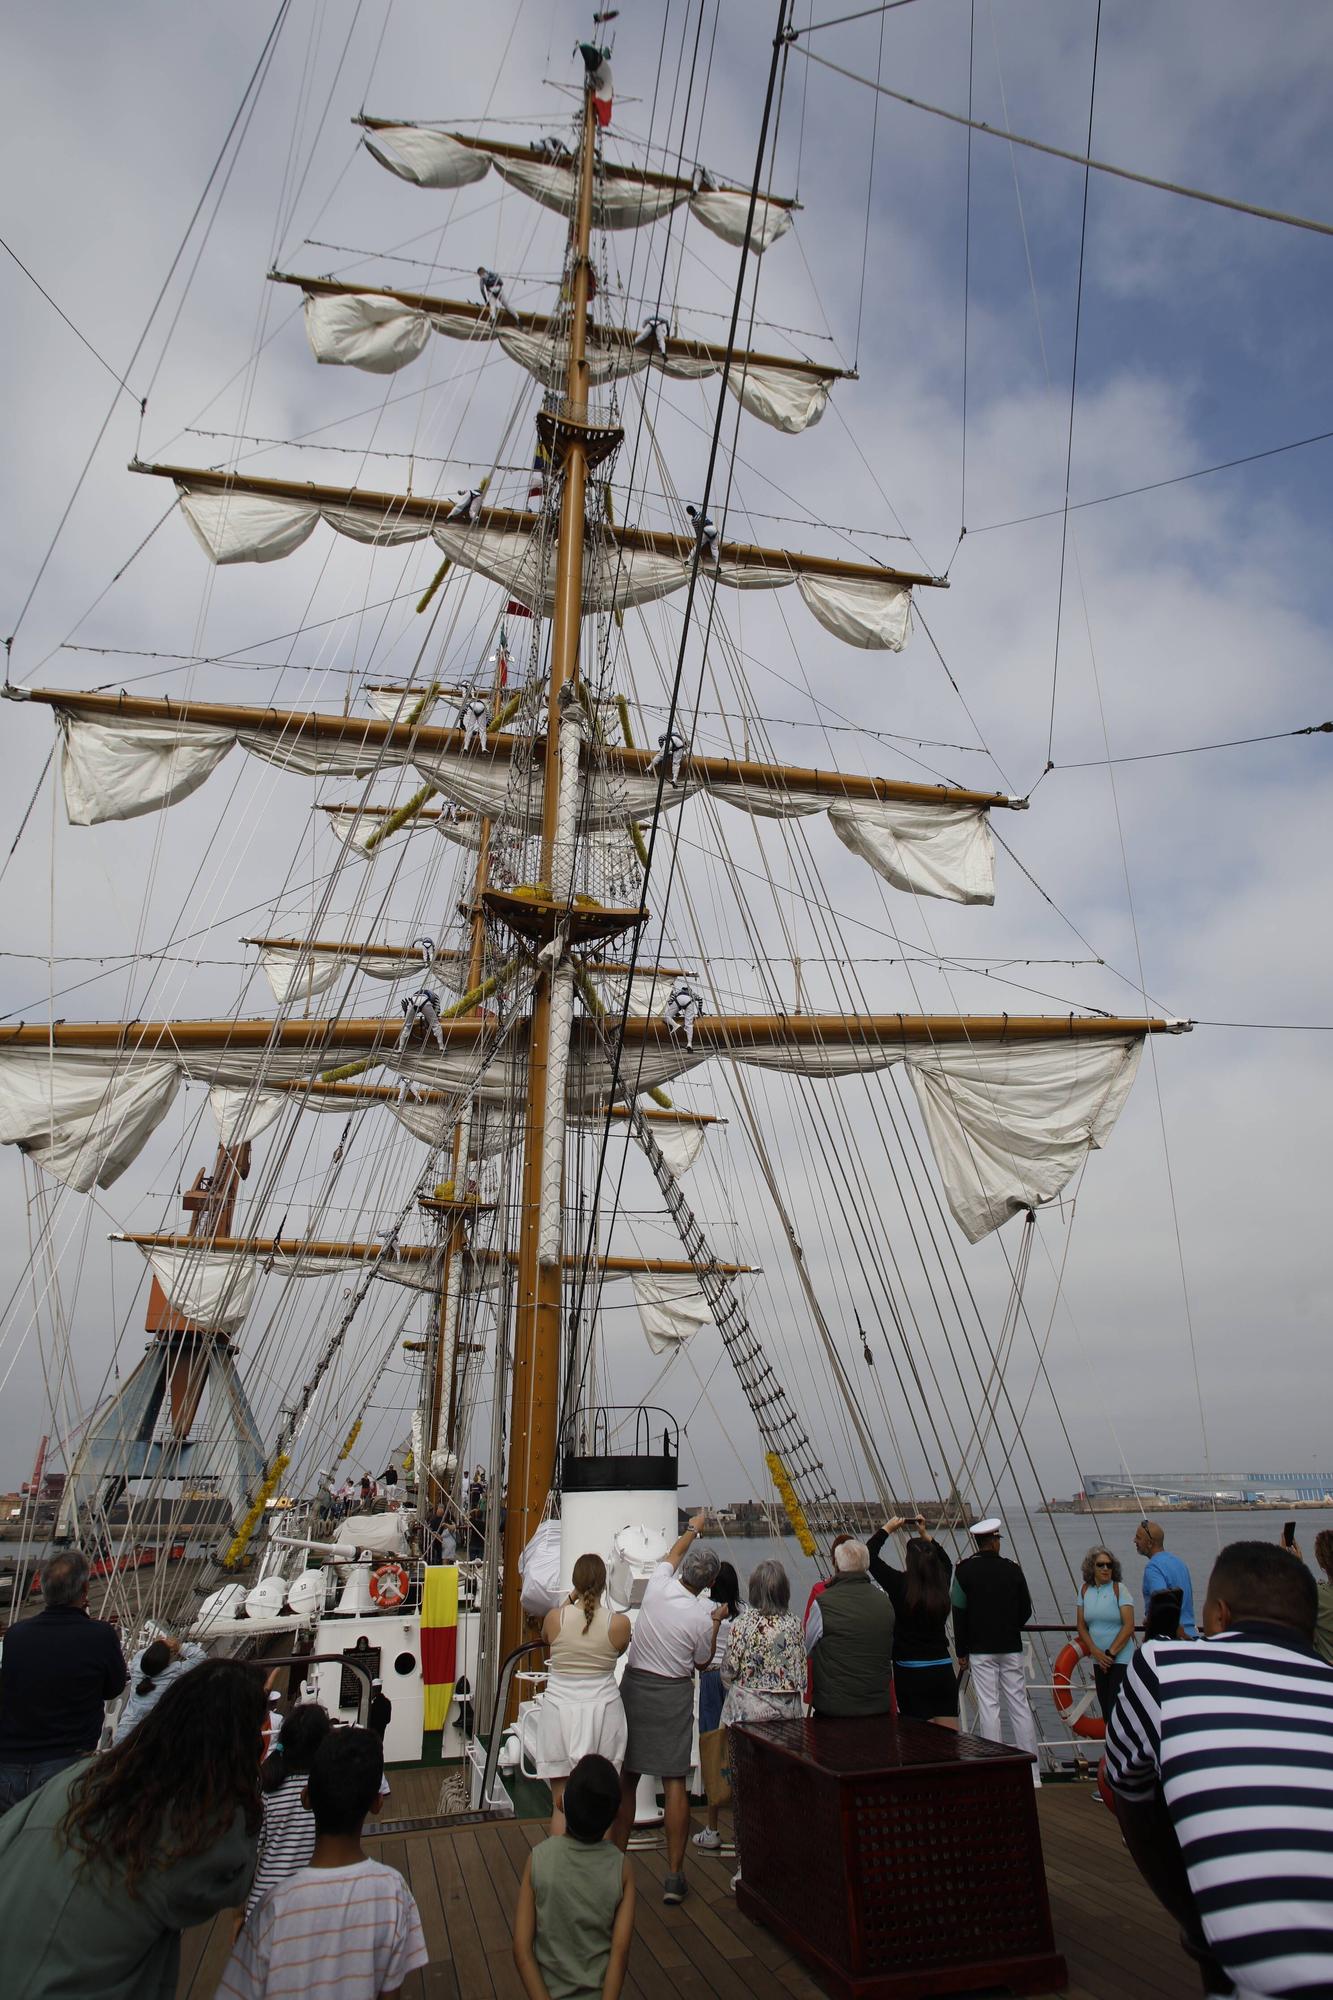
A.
pixel 675 1633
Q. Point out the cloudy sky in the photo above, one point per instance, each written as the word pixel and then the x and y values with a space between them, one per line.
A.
pixel 1194 1301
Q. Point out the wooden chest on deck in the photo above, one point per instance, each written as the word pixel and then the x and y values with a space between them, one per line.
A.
pixel 896 1858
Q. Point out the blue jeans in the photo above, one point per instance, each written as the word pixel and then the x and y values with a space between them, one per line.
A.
pixel 19 1781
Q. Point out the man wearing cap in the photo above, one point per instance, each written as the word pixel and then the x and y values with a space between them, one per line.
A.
pixel 991 1605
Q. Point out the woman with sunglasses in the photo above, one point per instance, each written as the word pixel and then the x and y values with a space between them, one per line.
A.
pixel 1106 1624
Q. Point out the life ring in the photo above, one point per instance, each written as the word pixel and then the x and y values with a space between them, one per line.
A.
pixel 389 1585
pixel 1062 1688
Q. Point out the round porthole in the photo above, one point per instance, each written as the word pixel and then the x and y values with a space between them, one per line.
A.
pixel 406 1663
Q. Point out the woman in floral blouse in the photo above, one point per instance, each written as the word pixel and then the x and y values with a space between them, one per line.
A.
pixel 763 1670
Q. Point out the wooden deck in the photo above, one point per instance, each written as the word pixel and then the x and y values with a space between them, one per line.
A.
pixel 1118 1943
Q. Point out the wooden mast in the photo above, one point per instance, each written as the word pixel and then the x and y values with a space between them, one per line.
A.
pixel 534 1400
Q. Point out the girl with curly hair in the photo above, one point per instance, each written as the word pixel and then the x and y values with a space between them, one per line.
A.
pixel 102 1869
pixel 1106 1624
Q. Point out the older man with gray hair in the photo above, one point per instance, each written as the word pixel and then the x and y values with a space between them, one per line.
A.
pixel 674 1633
pixel 57 1673
pixel 849 1639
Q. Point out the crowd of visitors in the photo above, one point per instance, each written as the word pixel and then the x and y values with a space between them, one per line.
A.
pixel 1218 1750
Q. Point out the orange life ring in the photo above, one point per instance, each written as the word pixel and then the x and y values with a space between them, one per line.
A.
pixel 389 1585
pixel 1061 1678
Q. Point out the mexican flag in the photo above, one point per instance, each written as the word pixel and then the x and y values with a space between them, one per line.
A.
pixel 597 62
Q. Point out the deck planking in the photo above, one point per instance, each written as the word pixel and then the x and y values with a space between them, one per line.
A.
pixel 1119 1944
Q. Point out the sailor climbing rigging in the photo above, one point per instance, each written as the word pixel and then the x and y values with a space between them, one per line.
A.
pixel 422 1006
pixel 671 749
pixel 710 541
pixel 684 1005
pixel 492 292
pixel 653 338
pixel 473 716
pixel 466 507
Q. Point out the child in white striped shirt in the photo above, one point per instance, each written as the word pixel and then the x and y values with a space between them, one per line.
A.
pixel 345 1928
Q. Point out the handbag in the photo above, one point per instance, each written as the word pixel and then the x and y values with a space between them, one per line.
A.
pixel 713 1767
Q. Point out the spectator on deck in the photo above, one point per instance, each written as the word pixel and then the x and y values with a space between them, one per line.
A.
pixel 102 1870
pixel 1165 1571
pixel 849 1639
pixel 725 1589
pixel 287 1837
pixel 345 1928
pixel 58 1672
pixel 575 1916
pixel 1323 1630
pixel 1220 1762
pixel 676 1631
pixel 582 1713
pixel 924 1680
pixel 1105 1615
pixel 991 1605
pixel 154 1670
pixel 380 1712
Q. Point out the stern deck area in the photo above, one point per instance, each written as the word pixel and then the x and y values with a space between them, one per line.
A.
pixel 1119 1944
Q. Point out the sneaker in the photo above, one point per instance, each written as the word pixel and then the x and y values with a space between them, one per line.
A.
pixel 708 1837
pixel 673 1889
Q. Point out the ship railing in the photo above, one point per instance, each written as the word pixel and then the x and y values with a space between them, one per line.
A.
pixel 491 1793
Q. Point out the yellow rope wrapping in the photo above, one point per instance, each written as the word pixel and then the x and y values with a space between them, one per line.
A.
pixel 792 1507
pixel 241 1541
pixel 456 1007
pixel 399 817
pixel 349 1441
pixel 441 573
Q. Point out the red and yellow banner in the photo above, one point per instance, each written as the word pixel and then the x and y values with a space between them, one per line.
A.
pixel 439 1642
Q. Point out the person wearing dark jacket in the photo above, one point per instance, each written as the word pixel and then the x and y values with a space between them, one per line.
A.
pixel 58 1672
pixel 849 1640
pixel 923 1672
pixel 991 1605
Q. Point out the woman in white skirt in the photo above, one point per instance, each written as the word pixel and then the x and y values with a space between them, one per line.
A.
pixel 581 1711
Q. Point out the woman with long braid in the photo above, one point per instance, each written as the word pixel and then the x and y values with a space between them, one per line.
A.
pixel 105 1866
pixel 581 1712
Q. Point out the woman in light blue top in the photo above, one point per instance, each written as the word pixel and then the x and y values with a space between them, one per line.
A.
pixel 1106 1624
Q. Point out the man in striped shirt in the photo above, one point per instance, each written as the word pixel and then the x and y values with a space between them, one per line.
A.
pixel 1220 1759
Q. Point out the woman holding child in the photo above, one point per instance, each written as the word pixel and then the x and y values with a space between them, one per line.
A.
pixel 581 1713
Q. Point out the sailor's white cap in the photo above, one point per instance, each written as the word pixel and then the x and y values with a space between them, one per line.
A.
pixel 980 1529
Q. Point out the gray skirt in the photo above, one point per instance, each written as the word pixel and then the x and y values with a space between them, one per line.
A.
pixel 660 1716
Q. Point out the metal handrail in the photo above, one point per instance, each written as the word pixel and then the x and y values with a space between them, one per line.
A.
pixel 506 1675
pixel 270 1660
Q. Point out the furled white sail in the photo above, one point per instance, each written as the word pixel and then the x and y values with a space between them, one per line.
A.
pixel 211 1290
pixel 924 848
pixel 1009 1123
pixel 680 1142
pixel 300 975
pixel 115 768
pixel 232 527
pixel 382 334
pixel 672 1308
pixel 620 199
pixel 82 1117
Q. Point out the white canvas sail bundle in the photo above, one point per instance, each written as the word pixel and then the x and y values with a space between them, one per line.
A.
pixel 620 200
pixel 1008 1123
pixel 114 768
pixel 672 1308
pixel 234 526
pixel 382 334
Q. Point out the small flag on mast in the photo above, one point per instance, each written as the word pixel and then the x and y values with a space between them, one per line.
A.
pixel 597 63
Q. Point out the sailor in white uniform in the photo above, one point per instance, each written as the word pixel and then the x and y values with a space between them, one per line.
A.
pixel 423 1006
pixel 710 544
pixel 492 291
pixel 473 717
pixel 672 750
pixel 684 1005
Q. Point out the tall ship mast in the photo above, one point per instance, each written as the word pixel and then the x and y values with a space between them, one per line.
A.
pixel 549 1011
